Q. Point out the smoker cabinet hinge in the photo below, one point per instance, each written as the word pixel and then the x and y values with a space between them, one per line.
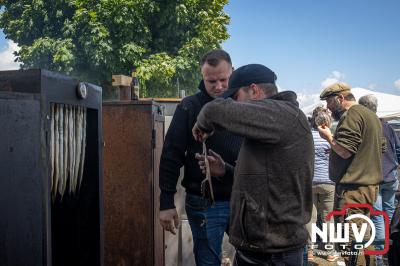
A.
pixel 153 138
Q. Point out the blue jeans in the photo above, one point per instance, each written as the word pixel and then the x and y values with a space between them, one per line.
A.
pixel 208 223
pixel 385 202
pixel 288 258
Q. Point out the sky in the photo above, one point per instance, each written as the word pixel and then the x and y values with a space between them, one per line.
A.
pixel 309 43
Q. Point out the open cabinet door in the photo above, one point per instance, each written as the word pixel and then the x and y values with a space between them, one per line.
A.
pixel 159 259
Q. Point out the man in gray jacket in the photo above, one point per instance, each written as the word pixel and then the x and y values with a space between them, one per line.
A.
pixel 271 196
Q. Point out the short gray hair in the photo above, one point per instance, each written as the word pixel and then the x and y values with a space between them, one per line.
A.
pixel 321 117
pixel 268 88
pixel 369 101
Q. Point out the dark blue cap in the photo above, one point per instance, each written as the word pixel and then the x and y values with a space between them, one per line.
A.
pixel 246 75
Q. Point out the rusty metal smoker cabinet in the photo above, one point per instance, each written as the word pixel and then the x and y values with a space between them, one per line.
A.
pixel 133 138
pixel 34 229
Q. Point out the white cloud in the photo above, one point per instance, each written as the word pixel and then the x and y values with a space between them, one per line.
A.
pixel 397 84
pixel 334 77
pixel 7 57
pixel 304 97
pixel 372 86
pixel 307 99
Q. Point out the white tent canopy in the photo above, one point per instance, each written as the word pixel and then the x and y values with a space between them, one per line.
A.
pixel 388 104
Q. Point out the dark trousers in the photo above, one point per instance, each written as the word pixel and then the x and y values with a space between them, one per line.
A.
pixel 288 258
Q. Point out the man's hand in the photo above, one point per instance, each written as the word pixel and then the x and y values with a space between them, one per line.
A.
pixel 217 164
pixel 199 135
pixel 325 133
pixel 169 220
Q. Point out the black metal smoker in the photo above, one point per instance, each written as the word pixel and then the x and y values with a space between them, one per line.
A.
pixel 42 223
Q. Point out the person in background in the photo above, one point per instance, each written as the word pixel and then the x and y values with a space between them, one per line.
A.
pixel 355 158
pixel 271 196
pixel 389 185
pixel 323 189
pixel 394 250
pixel 208 222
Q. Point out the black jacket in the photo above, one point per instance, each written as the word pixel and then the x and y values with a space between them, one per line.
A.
pixel 180 148
pixel 271 196
pixel 394 249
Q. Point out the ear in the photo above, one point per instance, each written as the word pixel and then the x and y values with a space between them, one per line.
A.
pixel 254 91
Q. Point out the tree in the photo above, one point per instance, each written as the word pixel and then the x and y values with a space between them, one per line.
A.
pixel 93 39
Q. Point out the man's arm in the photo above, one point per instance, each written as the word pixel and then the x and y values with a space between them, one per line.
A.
pixel 396 145
pixel 326 134
pixel 398 153
pixel 172 159
pixel 348 134
pixel 258 120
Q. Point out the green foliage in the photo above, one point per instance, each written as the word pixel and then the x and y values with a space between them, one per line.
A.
pixel 93 39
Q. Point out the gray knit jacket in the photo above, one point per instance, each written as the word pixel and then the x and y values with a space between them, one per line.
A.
pixel 271 198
